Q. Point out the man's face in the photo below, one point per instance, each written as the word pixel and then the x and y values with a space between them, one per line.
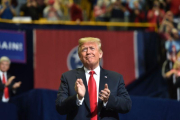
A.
pixel 4 66
pixel 90 54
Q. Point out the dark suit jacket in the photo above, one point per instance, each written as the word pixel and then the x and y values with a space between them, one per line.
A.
pixel 119 100
pixel 2 86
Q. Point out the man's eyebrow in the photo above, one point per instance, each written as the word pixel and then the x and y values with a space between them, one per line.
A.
pixel 84 47
pixel 87 47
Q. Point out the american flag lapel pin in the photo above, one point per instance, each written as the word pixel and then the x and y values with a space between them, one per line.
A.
pixel 105 76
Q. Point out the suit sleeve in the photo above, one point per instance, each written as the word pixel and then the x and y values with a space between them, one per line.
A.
pixel 122 102
pixel 10 87
pixel 2 86
pixel 65 103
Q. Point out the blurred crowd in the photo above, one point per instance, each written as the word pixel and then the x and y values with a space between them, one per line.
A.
pixel 152 11
pixel 168 29
pixel 164 13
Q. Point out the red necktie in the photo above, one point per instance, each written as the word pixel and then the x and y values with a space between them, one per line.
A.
pixel 92 96
pixel 6 90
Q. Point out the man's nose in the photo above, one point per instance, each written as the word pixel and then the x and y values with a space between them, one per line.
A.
pixel 88 51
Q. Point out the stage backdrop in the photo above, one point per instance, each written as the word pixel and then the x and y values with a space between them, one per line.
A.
pixel 55 52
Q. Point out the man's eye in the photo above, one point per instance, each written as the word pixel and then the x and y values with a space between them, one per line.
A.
pixel 92 48
pixel 85 49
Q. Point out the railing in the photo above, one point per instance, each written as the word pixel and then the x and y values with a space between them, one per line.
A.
pixel 83 23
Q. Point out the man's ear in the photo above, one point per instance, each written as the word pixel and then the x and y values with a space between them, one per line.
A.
pixel 79 56
pixel 100 54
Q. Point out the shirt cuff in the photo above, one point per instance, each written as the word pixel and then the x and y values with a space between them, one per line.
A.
pixel 104 104
pixel 79 102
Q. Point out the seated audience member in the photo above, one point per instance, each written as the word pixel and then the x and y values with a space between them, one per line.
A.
pixel 51 13
pixel 31 9
pixel 7 85
pixel 155 15
pixel 6 10
pixel 101 10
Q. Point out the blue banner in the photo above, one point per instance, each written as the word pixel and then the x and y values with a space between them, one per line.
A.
pixel 13 45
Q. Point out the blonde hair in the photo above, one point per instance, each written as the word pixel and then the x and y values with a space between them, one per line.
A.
pixel 89 39
pixel 4 58
pixel 176 64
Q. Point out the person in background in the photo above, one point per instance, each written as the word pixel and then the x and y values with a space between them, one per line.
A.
pixel 175 7
pixel 7 11
pixel 131 4
pixel 117 10
pixel 172 45
pixel 30 8
pixel 167 22
pixel 137 15
pixel 155 15
pixel 7 85
pixel 100 10
pixel 75 12
pixel 14 3
pixel 51 13
pixel 173 79
pixel 57 3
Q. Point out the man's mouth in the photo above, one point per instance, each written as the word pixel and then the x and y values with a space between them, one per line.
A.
pixel 88 57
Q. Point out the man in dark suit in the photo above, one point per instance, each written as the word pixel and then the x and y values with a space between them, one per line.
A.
pixel 7 86
pixel 91 92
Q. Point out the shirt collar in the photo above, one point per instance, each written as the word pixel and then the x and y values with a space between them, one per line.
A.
pixel 96 70
pixel 2 72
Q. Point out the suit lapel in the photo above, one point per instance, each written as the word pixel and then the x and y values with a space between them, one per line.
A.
pixel 81 74
pixel 103 81
pixel 8 76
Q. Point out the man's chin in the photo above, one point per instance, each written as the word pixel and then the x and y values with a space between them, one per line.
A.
pixel 88 63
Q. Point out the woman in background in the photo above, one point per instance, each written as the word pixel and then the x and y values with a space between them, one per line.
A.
pixel 173 77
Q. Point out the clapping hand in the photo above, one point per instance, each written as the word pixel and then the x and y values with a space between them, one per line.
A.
pixel 104 94
pixel 80 88
pixel 16 85
pixel 10 80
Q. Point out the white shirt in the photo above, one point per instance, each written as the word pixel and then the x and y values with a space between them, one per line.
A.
pixel 97 79
pixel 1 76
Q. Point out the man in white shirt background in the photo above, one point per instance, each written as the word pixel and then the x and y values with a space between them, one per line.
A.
pixel 7 85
